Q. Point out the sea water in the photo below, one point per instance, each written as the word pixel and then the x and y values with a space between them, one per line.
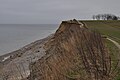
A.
pixel 15 36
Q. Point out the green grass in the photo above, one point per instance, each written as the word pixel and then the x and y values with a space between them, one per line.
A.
pixel 109 28
pixel 114 52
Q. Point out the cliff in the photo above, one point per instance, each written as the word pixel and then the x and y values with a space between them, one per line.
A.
pixel 73 53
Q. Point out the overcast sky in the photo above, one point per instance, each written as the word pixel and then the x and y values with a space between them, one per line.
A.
pixel 53 11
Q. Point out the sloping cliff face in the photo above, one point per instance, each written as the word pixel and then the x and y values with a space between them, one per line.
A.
pixel 73 53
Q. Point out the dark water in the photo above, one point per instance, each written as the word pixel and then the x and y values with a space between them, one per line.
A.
pixel 15 36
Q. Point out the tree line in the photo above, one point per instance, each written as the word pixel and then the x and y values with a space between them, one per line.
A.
pixel 105 17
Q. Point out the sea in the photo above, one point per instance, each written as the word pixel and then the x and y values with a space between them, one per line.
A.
pixel 15 36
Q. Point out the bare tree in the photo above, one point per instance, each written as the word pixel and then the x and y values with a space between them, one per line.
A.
pixel 105 17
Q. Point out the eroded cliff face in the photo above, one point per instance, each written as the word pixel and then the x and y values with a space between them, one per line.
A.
pixel 73 53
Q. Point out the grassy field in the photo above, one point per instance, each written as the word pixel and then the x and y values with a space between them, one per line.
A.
pixel 111 29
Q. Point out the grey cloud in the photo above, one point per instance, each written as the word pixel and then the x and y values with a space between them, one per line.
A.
pixel 53 11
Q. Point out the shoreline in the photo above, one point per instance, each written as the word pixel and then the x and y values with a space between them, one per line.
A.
pixel 24 48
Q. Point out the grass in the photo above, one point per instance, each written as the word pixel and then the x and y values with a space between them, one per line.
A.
pixel 114 52
pixel 110 29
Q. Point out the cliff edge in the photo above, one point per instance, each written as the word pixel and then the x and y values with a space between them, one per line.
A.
pixel 73 53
